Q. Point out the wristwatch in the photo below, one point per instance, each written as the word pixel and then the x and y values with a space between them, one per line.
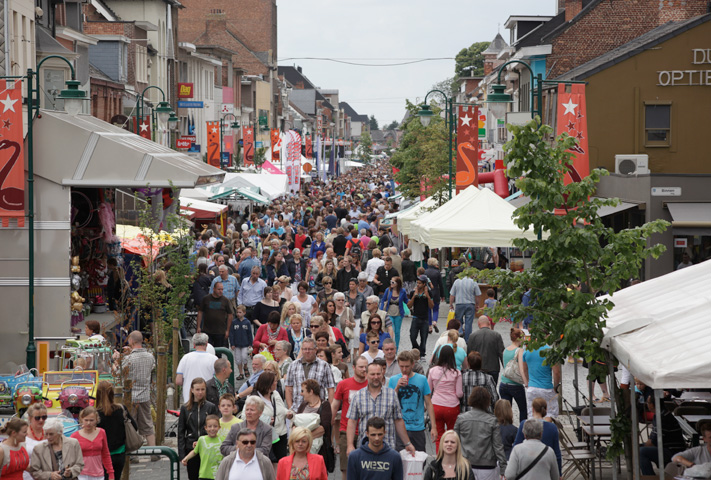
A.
pixel 408 444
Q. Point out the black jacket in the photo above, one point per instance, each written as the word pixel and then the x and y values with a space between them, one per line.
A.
pixel 437 288
pixel 114 427
pixel 291 267
pixel 434 471
pixel 191 424
pixel 212 393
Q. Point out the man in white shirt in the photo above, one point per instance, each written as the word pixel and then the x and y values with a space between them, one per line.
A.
pixel 246 462
pixel 463 298
pixel 198 363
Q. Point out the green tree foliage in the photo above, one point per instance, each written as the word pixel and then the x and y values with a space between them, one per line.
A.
pixel 578 258
pixel 470 57
pixel 373 123
pixel 422 155
pixel 449 86
pixel 260 157
pixel 365 149
pixel 393 125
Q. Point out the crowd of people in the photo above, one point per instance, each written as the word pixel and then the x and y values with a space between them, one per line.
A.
pixel 310 295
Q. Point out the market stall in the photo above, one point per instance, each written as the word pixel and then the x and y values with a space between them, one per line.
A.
pixel 205 213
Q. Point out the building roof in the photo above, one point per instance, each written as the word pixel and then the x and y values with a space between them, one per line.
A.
pixel 350 111
pixel 588 6
pixel 496 45
pixel 638 45
pixel 377 135
pixel 294 76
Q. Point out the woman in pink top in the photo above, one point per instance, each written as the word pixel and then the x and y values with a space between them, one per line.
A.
pixel 446 385
pixel 94 447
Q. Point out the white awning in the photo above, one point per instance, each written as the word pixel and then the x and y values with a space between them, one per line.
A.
pixel 83 151
pixel 269 185
pixel 690 215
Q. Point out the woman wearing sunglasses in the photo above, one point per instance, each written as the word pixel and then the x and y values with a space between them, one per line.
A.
pixel 375 324
pixel 36 415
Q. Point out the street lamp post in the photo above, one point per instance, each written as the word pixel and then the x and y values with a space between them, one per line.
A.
pixel 498 99
pixel 235 129
pixel 163 109
pixel 73 98
pixel 426 115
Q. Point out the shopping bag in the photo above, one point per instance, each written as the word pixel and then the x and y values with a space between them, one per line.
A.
pixel 406 310
pixel 413 467
pixel 450 316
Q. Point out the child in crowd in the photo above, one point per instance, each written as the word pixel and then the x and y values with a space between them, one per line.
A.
pixel 417 366
pixel 504 416
pixel 208 448
pixel 241 340
pixel 373 352
pixel 227 409
pixel 337 355
pixel 490 302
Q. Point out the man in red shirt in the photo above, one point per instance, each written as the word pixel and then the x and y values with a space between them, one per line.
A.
pixel 345 391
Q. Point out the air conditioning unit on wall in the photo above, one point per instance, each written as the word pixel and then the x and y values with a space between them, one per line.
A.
pixel 631 164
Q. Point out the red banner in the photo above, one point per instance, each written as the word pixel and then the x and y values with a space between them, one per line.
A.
pixel 248 145
pixel 467 147
pixel 12 158
pixel 213 143
pixel 185 90
pixel 276 144
pixel 145 128
pixel 572 120
pixel 309 148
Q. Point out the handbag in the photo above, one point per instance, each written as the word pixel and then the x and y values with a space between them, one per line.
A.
pixel 134 441
pixel 512 371
pixel 533 463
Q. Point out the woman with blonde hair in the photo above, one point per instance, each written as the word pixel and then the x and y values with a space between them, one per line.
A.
pixel 287 310
pixel 300 464
pixel 36 416
pixel 449 463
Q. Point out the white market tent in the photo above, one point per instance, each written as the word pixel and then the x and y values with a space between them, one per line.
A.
pixel 270 185
pixel 196 193
pixel 474 218
pixel 406 217
pixel 660 336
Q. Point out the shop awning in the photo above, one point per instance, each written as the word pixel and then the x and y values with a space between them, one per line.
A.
pixel 253 196
pixel 203 210
pixel 83 151
pixel 605 211
pixel 269 185
pixel 690 218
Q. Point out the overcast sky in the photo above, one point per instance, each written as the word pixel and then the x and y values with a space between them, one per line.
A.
pixel 368 31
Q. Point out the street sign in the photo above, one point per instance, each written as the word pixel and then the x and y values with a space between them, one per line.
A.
pixel 183 142
pixel 189 104
pixel 666 191
pixel 192 138
pixel 185 90
pixel 680 242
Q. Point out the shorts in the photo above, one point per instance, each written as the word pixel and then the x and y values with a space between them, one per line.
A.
pixel 241 355
pixel 547 394
pixel 418 440
pixel 142 414
pixel 343 445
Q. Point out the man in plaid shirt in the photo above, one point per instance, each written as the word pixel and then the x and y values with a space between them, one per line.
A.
pixel 376 401
pixel 139 365
pixel 308 367
pixel 476 378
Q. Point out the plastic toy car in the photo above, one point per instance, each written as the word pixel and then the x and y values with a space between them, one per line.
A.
pixel 57 381
pixel 74 398
pixel 26 394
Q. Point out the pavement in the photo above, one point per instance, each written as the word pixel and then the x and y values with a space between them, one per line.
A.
pixel 160 470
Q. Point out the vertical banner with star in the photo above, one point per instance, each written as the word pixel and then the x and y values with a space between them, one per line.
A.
pixel 12 158
pixel 572 120
pixel 213 143
pixel 276 144
pixel 144 129
pixel 467 147
pixel 248 145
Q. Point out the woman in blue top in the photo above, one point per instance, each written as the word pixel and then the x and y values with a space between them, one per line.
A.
pixel 375 323
pixel 550 431
pixel 317 245
pixel 459 353
pixel 393 302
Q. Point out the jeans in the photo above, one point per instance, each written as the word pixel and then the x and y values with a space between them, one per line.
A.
pixel 649 456
pixel 397 324
pixel 464 312
pixel 511 392
pixel 434 313
pixel 421 326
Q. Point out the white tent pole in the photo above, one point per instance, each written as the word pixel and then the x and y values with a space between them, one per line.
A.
pixel 660 444
pixel 635 433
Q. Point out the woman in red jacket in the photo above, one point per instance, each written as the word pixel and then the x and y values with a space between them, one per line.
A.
pixel 269 333
pixel 301 465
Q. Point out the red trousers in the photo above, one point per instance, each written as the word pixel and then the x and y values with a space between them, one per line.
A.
pixel 444 416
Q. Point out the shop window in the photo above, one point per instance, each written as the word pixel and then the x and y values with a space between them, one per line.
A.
pixel 657 125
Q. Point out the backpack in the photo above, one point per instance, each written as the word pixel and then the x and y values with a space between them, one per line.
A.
pixel 355 247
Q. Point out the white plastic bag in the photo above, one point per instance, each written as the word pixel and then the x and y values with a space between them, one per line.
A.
pixel 413 467
pixel 311 421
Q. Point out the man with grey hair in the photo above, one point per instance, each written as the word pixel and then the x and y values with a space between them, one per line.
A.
pixel 258 362
pixel 139 365
pixel 219 384
pixel 308 367
pixel 198 363
pixel 215 313
pixel 532 459
pixel 246 461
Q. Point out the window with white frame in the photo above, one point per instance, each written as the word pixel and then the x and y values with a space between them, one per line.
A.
pixel 141 63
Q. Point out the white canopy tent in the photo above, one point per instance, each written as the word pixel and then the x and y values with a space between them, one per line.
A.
pixel 662 338
pixel 406 217
pixel 474 218
pixel 196 193
pixel 270 185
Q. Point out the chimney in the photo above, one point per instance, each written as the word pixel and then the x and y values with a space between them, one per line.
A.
pixel 216 20
pixel 572 9
pixel 298 69
pixel 561 6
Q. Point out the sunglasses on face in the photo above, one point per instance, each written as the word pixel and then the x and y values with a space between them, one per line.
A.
pixel 375 323
pixel 248 442
pixel 40 417
pixel 327 283
pixel 373 342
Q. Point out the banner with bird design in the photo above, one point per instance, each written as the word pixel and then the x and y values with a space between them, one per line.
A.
pixel 467 147
pixel 12 158
pixel 213 143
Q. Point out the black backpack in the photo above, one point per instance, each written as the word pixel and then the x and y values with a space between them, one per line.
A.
pixel 355 247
